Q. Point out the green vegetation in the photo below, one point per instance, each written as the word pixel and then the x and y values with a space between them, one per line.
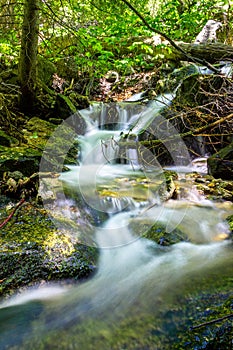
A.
pixel 55 57
pixel 86 40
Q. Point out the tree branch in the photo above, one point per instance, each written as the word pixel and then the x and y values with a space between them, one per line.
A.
pixel 211 322
pixel 189 58
pixel 12 213
pixel 195 132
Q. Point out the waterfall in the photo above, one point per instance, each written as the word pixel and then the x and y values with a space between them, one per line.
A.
pixel 136 278
pixel 141 122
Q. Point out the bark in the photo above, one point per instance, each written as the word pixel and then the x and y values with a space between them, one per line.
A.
pixel 210 52
pixel 28 55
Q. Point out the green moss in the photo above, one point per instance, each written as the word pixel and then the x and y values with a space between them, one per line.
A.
pixel 26 157
pixel 160 235
pixel 230 222
pixel 46 69
pixel 6 140
pixel 168 329
pixel 215 189
pixel 32 249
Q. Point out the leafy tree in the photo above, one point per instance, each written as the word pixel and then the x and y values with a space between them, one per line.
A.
pixel 87 39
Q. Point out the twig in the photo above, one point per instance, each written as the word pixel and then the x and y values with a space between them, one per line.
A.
pixel 12 213
pixel 211 322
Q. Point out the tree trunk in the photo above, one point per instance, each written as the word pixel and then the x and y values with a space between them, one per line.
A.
pixel 28 55
pixel 211 52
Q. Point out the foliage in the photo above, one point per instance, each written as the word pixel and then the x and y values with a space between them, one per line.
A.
pixel 89 38
pixel 184 19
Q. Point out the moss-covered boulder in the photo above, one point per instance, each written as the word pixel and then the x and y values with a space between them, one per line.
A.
pixel 46 69
pixel 220 164
pixel 6 140
pixel 215 189
pixel 25 158
pixel 32 249
pixel 159 234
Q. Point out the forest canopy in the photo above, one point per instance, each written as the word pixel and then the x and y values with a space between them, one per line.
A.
pixel 92 37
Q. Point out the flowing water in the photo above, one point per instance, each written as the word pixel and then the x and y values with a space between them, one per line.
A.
pixel 136 298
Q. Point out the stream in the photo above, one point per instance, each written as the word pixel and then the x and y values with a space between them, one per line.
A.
pixel 139 297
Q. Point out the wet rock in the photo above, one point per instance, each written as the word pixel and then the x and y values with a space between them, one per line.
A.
pixel 159 234
pixel 215 189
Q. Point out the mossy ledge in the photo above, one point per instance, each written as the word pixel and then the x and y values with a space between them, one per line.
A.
pixel 46 255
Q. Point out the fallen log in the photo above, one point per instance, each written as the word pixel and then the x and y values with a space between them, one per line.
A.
pixel 211 52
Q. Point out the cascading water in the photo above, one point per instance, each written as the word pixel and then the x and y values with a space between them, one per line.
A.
pixel 137 279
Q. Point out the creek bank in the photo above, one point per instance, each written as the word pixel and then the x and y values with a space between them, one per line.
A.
pixel 20 162
pixel 32 247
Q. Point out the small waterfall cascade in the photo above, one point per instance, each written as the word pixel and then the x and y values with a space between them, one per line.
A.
pixel 136 277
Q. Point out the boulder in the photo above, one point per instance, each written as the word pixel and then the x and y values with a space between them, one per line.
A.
pixel 6 140
pixel 220 164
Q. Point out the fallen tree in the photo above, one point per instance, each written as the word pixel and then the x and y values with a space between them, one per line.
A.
pixel 211 52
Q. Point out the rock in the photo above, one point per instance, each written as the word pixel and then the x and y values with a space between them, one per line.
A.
pixel 48 254
pixel 63 108
pixel 79 101
pixel 18 162
pixel 46 69
pixel 220 164
pixel 6 140
pixel 67 107
pixel 215 189
pixel 159 234
pixel 39 126
pixel 27 165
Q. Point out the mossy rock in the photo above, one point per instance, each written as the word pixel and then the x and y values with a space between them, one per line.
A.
pixel 159 234
pixel 230 222
pixel 215 189
pixel 63 108
pixel 46 69
pixel 26 163
pixel 26 158
pixel 66 108
pixel 32 249
pixel 6 140
pixel 220 164
pixel 79 101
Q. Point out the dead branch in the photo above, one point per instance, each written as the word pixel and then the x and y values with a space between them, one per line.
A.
pixel 195 132
pixel 211 322
pixel 12 213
